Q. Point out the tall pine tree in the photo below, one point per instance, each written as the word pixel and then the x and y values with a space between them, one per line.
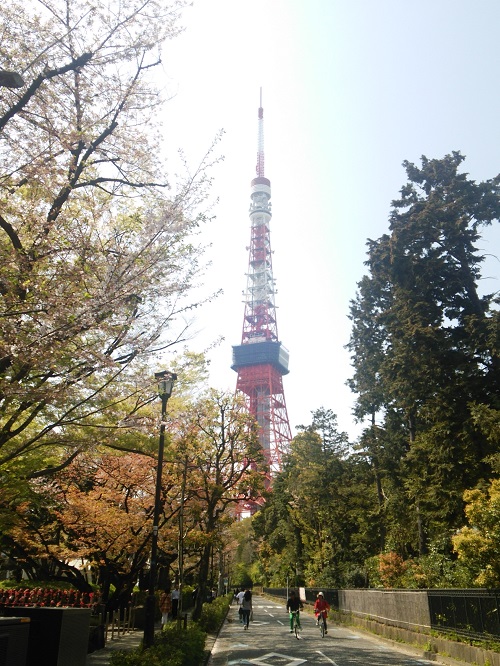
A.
pixel 424 340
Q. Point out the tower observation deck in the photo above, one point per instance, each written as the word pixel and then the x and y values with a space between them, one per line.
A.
pixel 261 360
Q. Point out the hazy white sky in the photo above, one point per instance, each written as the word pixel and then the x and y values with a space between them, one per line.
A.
pixel 351 88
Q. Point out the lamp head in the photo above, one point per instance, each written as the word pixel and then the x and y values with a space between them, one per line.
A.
pixel 10 79
pixel 166 381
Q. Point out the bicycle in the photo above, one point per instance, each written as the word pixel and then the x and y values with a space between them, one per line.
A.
pixel 295 624
pixel 322 623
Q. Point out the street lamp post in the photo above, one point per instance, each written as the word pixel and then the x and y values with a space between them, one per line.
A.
pixel 181 542
pixel 165 385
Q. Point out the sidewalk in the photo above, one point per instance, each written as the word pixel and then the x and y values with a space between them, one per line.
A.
pixel 131 641
pixel 128 641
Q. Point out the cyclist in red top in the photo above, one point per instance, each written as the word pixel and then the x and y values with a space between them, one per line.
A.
pixel 321 605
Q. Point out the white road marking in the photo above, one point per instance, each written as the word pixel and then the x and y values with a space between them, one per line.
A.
pixel 328 658
pixel 269 606
pixel 292 661
pixel 258 622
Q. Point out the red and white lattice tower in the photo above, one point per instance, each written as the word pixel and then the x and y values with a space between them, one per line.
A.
pixel 261 360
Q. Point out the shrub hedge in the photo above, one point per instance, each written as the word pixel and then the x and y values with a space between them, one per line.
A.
pixel 173 647
pixel 178 646
pixel 214 614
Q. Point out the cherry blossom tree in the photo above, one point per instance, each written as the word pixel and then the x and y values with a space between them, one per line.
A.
pixel 97 248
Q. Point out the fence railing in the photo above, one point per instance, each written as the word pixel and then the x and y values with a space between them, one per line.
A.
pixel 471 613
pixel 118 622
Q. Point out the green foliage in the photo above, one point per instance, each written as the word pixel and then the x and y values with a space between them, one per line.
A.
pixel 317 571
pixel 99 508
pixel 424 345
pixel 177 647
pixel 76 337
pixel 219 441
pixel 34 584
pixel 425 351
pixel 214 613
pixel 241 576
pixel 488 420
pixel 187 596
pixel 435 570
pixel 478 543
pixel 244 563
pixel 97 265
pixel 316 526
pixel 255 575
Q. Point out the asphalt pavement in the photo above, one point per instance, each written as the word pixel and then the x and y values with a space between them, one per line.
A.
pixel 268 642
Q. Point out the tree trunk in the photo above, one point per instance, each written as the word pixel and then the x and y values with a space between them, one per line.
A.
pixel 422 539
pixel 202 581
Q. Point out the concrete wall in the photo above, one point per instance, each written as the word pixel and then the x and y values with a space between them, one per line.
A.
pixel 408 609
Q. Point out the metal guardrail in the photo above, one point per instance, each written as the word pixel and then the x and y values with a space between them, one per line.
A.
pixel 471 613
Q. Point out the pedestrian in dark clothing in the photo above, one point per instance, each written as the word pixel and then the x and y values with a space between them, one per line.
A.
pixel 246 607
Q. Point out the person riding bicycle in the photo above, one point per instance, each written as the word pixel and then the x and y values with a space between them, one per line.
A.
pixel 293 605
pixel 321 605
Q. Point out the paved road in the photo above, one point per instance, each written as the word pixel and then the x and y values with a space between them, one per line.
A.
pixel 269 643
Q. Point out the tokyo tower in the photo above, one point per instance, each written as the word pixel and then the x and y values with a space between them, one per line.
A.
pixel 261 360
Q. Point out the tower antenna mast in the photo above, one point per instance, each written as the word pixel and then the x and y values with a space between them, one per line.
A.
pixel 261 360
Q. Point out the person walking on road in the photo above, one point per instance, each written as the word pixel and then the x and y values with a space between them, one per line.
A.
pixel 246 607
pixel 239 599
pixel 294 605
